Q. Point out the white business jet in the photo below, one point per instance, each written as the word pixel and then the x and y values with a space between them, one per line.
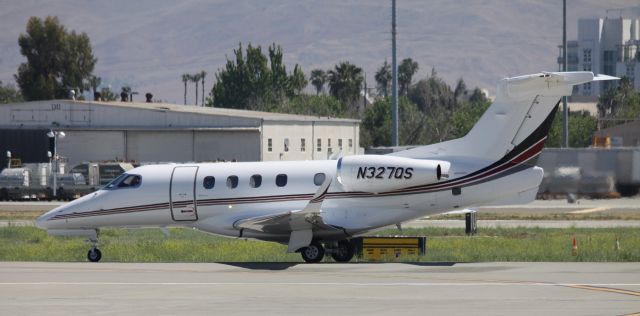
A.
pixel 315 207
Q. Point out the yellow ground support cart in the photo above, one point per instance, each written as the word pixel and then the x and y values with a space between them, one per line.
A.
pixel 389 248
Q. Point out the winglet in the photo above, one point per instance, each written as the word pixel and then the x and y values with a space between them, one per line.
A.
pixel 604 77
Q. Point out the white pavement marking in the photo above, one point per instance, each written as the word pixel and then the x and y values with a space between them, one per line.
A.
pixel 518 283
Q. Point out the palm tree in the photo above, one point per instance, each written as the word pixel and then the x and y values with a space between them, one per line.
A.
pixel 196 79
pixel 318 78
pixel 406 70
pixel 185 79
pixel 95 82
pixel 345 81
pixel 383 79
pixel 203 74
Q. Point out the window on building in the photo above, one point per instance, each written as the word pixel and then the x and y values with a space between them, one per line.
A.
pixel 586 67
pixel 630 70
pixel 281 180
pixel 586 56
pixel 319 146
pixel 209 182
pixel 350 144
pixel 255 181
pixel 318 179
pixel 286 144
pixel 329 145
pixel 586 88
pixel 340 143
pixel 303 145
pixel 232 182
pixel 269 144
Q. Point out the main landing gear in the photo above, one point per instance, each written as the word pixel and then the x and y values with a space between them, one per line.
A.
pixel 94 254
pixel 341 251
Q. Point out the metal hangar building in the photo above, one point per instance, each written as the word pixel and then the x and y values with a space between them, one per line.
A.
pixel 157 132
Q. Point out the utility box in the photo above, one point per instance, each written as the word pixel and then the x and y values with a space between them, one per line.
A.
pixel 471 223
pixel 389 248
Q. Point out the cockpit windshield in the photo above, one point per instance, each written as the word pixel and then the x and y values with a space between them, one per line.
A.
pixel 125 180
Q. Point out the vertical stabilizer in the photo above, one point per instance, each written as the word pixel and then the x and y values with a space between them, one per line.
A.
pixel 521 107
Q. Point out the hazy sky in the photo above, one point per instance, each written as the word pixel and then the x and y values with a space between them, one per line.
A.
pixel 148 44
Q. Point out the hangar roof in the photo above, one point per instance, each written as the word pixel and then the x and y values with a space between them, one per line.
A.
pixel 269 116
pixel 138 115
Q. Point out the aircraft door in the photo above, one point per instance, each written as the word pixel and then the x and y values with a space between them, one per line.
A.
pixel 182 192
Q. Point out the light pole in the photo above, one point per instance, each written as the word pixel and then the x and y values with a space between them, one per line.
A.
pixel 55 135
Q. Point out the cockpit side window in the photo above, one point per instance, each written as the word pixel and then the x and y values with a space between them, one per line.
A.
pixel 131 181
pixel 114 183
pixel 124 181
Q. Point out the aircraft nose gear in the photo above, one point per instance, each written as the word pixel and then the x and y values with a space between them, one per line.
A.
pixel 313 253
pixel 94 254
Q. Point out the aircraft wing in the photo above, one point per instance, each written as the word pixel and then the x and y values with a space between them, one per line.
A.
pixel 299 223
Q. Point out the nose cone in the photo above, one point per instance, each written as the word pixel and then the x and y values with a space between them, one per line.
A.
pixel 42 221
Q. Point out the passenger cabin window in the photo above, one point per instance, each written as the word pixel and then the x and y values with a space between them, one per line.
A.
pixel 281 180
pixel 209 182
pixel 255 181
pixel 318 179
pixel 130 181
pixel 232 182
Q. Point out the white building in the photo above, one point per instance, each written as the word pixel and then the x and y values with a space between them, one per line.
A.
pixel 605 46
pixel 153 132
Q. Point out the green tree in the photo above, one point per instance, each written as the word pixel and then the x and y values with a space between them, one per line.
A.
pixel 466 116
pixel 345 82
pixel 432 93
pixel 375 129
pixel 107 94
pixel 56 60
pixel 581 129
pixel 94 83
pixel 407 69
pixel 318 79
pixel 383 79
pixel 9 94
pixel 195 78
pixel 314 105
pixel 203 74
pixel 253 80
pixel 622 102
pixel 185 79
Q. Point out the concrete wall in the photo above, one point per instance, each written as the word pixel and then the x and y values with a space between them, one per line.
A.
pixel 335 133
pixel 160 146
pixel 82 146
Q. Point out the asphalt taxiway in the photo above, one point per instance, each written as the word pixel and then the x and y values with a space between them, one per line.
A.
pixel 320 289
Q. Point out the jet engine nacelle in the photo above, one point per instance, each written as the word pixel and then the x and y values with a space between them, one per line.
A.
pixel 377 173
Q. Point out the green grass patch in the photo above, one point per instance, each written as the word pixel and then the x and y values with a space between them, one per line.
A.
pixel 443 244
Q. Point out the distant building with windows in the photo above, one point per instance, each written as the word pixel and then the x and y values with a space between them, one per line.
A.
pixel 604 46
pixel 155 132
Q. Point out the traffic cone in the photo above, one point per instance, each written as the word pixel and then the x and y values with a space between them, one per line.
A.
pixel 574 247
